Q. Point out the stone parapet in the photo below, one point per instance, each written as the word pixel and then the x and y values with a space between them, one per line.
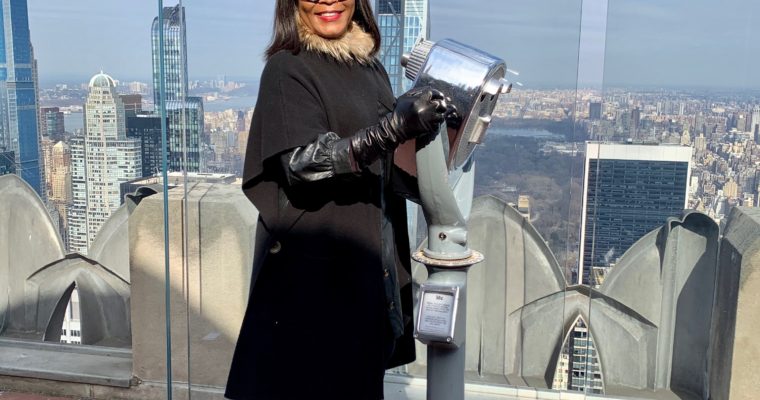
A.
pixel 210 258
pixel 736 321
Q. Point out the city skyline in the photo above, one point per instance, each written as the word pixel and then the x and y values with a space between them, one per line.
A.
pixel 634 45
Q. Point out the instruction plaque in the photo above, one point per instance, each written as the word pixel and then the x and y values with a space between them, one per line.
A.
pixel 436 318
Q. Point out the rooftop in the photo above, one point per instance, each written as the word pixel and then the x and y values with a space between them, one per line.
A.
pixel 654 320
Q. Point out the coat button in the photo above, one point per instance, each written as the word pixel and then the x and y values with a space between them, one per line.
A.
pixel 386 273
pixel 391 306
pixel 276 247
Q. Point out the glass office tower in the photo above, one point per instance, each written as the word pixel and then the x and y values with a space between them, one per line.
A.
pixel 175 55
pixel 185 118
pixel 184 114
pixel 416 27
pixel 629 190
pixel 7 163
pixel 18 95
pixel 147 128
pixel 390 20
pixel 402 24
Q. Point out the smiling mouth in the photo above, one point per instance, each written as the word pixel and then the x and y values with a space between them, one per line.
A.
pixel 329 16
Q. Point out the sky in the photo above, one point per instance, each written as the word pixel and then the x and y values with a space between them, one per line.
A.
pixel 552 43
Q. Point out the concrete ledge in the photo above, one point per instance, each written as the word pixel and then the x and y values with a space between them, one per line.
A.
pixel 397 387
pixel 66 363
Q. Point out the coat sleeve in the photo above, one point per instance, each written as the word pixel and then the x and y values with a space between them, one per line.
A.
pixel 288 114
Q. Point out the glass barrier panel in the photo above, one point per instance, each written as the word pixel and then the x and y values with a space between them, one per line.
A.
pixel 669 155
pixel 82 238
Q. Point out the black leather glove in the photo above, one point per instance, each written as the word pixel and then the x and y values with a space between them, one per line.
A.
pixel 417 112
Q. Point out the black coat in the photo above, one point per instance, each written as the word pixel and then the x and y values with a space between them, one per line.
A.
pixel 324 318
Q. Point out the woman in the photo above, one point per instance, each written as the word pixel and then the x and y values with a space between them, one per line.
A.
pixel 327 314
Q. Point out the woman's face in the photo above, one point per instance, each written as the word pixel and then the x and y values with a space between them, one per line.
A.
pixel 329 19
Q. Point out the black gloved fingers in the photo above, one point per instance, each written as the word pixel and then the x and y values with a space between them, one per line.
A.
pixel 440 106
pixel 436 94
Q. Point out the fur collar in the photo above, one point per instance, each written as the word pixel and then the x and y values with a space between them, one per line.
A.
pixel 355 45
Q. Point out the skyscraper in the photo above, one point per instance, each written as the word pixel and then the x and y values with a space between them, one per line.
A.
pixel 18 94
pixel 755 124
pixel 101 160
pixel 147 128
pixel 402 24
pixel 416 27
pixel 52 123
pixel 584 371
pixel 740 122
pixel 175 55
pixel 635 122
pixel 629 190
pixel 730 189
pixel 391 23
pixel 184 114
pixel 132 104
pixel 7 163
pixel 185 126
pixel 595 110
pixel 59 182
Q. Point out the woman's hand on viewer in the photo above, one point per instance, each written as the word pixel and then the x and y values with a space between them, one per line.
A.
pixel 417 112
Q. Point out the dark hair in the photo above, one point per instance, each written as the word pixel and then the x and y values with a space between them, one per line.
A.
pixel 285 31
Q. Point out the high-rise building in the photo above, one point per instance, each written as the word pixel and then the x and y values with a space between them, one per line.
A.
pixel 402 24
pixel 71 329
pixel 7 163
pixel 730 189
pixel 685 138
pixel 46 146
pixel 51 123
pixel 102 158
pixel 132 104
pixel 700 143
pixel 147 128
pixel 740 122
pixel 635 122
pixel 416 27
pixel 755 125
pixel 185 127
pixel 584 370
pixel 595 110
pixel 58 176
pixel 18 94
pixel 184 114
pixel 629 190
pixel 390 20
pixel 175 55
